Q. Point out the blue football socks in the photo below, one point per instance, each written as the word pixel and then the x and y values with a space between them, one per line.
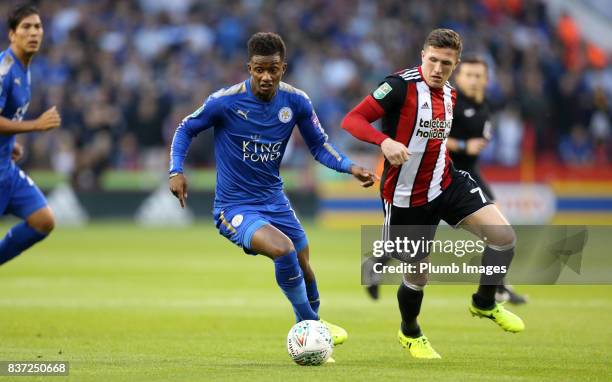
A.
pixel 313 295
pixel 291 280
pixel 18 239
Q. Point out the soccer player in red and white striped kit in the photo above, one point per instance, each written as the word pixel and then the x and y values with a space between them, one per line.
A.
pixel 420 186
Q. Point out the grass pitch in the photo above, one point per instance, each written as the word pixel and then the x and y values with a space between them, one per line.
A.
pixel 121 303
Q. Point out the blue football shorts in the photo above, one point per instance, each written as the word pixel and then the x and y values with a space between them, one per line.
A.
pixel 19 196
pixel 238 223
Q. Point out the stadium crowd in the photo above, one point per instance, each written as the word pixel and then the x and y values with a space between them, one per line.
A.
pixel 124 73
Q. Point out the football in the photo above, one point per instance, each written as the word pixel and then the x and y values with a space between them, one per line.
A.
pixel 309 343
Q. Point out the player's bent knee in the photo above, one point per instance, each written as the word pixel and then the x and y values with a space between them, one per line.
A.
pixel 45 226
pixel 503 238
pixel 280 249
pixel 42 220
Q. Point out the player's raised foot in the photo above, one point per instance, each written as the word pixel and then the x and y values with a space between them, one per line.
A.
pixel 505 293
pixel 506 320
pixel 418 347
pixel 338 334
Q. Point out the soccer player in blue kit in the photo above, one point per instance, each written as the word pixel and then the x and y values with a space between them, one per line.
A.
pixel 19 196
pixel 252 122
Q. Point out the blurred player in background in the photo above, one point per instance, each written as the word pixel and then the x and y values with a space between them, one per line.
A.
pixel 420 186
pixel 19 195
pixel 471 133
pixel 253 121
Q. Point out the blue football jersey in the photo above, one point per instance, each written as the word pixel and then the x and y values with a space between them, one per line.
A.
pixel 14 101
pixel 250 137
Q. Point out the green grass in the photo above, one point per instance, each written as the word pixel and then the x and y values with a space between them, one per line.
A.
pixel 122 303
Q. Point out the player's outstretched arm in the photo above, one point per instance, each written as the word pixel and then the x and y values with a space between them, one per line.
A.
pixel 178 152
pixel 323 151
pixel 48 120
pixel 190 126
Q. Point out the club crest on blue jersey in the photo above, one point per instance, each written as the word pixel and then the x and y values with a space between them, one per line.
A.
pixel 237 220
pixel 285 114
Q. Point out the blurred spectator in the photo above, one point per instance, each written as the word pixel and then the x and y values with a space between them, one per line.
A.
pixel 569 34
pixel 509 135
pixel 600 127
pixel 576 148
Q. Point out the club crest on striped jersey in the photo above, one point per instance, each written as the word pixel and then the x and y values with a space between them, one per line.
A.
pixel 285 114
pixel 382 91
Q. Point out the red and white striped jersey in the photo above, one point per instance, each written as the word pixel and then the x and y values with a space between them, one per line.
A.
pixel 420 117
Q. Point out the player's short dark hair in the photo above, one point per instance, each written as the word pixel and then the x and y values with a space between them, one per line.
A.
pixel 444 38
pixel 20 12
pixel 266 44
